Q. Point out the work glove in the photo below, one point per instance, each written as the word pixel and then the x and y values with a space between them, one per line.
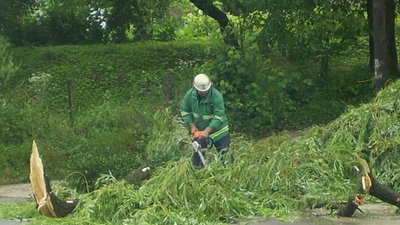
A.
pixel 193 129
pixel 205 133
pixel 196 135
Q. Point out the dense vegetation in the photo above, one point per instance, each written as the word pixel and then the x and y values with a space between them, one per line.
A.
pixel 124 115
pixel 96 97
pixel 78 102
pixel 278 176
pixel 103 101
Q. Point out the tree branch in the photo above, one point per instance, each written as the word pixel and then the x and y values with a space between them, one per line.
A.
pixel 209 9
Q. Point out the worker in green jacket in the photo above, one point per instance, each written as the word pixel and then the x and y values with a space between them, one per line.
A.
pixel 203 111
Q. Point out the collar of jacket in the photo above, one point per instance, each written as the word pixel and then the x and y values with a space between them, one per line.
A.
pixel 206 98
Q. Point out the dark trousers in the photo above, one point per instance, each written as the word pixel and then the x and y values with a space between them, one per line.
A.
pixel 222 147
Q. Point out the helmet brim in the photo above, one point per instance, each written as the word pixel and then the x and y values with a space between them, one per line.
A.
pixel 202 89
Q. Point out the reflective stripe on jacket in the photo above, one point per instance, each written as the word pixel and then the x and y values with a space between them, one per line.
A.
pixel 206 111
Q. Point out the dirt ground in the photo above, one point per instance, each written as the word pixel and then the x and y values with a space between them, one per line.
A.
pixel 373 214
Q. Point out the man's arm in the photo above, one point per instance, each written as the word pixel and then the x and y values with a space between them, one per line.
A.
pixel 186 112
pixel 219 112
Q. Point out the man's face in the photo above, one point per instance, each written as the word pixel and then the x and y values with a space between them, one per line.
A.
pixel 202 93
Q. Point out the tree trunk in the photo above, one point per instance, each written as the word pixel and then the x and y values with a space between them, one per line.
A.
pixel 351 206
pixel 324 70
pixel 370 35
pixel 383 193
pixel 385 62
pixel 209 9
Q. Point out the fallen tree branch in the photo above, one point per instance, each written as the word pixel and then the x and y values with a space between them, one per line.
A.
pixel 368 185
pixel 47 203
pixel 384 193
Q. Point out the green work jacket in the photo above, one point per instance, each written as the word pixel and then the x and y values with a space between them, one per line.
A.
pixel 207 111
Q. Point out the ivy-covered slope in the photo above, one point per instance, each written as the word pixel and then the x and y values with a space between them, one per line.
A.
pixel 95 72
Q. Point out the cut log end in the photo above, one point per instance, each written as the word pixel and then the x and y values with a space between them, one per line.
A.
pixel 348 209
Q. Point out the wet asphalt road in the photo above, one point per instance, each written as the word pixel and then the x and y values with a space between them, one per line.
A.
pixel 374 214
pixel 11 222
pixel 14 193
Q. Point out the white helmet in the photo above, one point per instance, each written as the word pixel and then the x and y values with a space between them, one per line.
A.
pixel 201 82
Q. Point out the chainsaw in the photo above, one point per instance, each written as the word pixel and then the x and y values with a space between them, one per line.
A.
pixel 197 147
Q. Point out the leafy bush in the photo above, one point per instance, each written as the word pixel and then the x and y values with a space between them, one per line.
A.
pixel 7 66
pixel 236 75
pixel 15 162
pixel 108 138
pixel 265 95
pixel 14 123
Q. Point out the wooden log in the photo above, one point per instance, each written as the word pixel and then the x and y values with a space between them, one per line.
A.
pixel 375 188
pixel 383 193
pixel 368 184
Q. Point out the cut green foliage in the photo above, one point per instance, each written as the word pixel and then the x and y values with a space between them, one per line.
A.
pixel 279 176
pixel 284 174
pixel 167 140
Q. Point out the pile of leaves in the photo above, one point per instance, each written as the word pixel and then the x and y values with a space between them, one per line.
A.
pixel 276 177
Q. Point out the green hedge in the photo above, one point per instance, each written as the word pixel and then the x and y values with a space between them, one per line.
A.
pixel 119 72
